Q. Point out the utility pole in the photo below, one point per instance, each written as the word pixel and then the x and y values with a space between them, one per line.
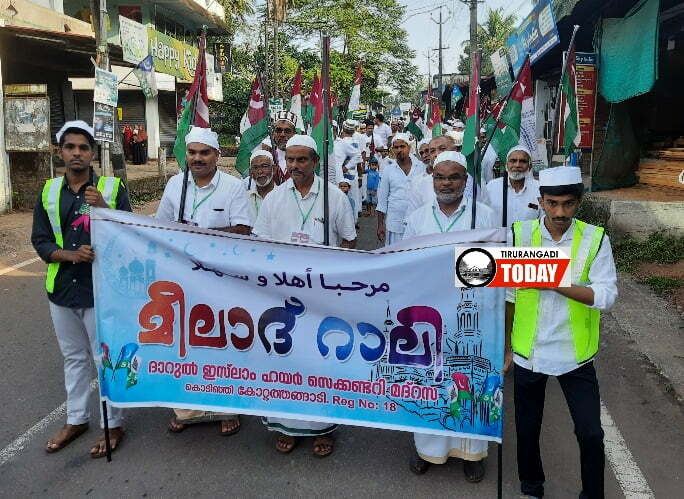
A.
pixel 473 23
pixel 98 8
pixel 440 47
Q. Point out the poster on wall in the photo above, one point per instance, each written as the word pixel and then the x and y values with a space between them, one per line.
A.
pixel 587 80
pixel 537 34
pixel 106 88
pixel 27 124
pixel 134 40
pixel 103 122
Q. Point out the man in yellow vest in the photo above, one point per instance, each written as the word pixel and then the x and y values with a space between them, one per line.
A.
pixel 555 332
pixel 61 237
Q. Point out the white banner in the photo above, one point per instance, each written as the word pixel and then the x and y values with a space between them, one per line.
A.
pixel 134 40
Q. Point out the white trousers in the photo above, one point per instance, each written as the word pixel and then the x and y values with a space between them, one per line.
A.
pixel 437 449
pixel 75 330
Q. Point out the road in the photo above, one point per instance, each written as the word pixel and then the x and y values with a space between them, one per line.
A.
pixel 646 446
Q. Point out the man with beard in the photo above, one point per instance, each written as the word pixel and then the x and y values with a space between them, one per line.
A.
pixel 523 189
pixel 394 189
pixel 450 211
pixel 61 237
pixel 259 182
pixel 215 200
pixel 283 127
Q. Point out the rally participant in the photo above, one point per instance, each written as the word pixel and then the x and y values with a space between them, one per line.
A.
pixel 283 127
pixel 215 200
pixel 348 154
pixel 382 155
pixel 61 237
pixel 422 190
pixel 523 189
pixel 395 126
pixel 394 190
pixel 424 151
pixel 555 332
pixel 259 182
pixel 382 131
pixel 450 211
pixel 293 212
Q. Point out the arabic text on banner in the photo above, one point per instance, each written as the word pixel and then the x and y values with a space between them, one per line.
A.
pixel 199 319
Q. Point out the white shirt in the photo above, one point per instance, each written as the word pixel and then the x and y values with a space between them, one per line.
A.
pixel 383 162
pixel 254 199
pixel 522 205
pixel 429 219
pixel 393 193
pixel 347 148
pixel 283 210
pixel 553 351
pixel 220 203
pixel 381 133
pixel 364 142
pixel 488 161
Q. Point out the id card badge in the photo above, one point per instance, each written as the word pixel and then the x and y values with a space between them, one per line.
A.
pixel 300 237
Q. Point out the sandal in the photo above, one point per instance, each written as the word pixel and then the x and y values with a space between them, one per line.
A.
pixel 116 436
pixel 474 471
pixel 233 430
pixel 176 426
pixel 70 431
pixel 323 446
pixel 286 443
pixel 418 465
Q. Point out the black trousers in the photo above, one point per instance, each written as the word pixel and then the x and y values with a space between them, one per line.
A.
pixel 581 391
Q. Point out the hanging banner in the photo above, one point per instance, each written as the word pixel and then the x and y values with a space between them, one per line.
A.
pixel 587 80
pixel 134 40
pixel 502 73
pixel 103 122
pixel 537 34
pixel 199 319
pixel 106 89
pixel 172 56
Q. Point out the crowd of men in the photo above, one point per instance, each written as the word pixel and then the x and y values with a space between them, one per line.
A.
pixel 416 188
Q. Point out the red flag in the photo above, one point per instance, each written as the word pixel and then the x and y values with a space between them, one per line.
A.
pixel 297 83
pixel 199 83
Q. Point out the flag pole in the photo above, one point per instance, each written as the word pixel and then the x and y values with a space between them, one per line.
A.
pixel 274 152
pixel 474 86
pixel 186 172
pixel 555 129
pixel 325 75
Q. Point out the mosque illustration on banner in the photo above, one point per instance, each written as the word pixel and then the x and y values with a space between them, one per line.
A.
pixel 474 392
pixel 129 272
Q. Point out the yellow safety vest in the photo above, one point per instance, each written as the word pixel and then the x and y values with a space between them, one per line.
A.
pixel 584 320
pixel 52 191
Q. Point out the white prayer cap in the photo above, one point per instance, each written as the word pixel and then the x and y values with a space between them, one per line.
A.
pixel 349 125
pixel 344 181
pixel 457 136
pixel 519 147
pixel 402 136
pixel 302 140
pixel 423 142
pixel 258 153
pixel 459 123
pixel 454 156
pixel 483 130
pixel 204 136
pixel 80 124
pixel 560 175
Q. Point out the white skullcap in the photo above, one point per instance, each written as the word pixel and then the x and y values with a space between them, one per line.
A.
pixel 402 136
pixel 560 175
pixel 423 142
pixel 455 156
pixel 459 123
pixel 483 130
pixel 457 136
pixel 349 125
pixel 302 140
pixel 344 181
pixel 204 136
pixel 260 152
pixel 519 147
pixel 80 124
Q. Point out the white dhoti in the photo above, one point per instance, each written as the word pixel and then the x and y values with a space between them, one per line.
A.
pixel 436 449
pixel 298 428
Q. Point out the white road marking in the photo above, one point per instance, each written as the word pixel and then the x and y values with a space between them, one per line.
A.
pixel 23 440
pixel 12 268
pixel 626 471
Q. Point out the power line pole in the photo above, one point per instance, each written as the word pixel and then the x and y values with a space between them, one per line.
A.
pixel 473 23
pixel 440 47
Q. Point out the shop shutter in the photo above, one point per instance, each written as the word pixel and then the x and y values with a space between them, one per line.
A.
pixel 167 120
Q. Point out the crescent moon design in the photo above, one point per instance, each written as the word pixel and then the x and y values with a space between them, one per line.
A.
pixel 185 250
pixel 234 251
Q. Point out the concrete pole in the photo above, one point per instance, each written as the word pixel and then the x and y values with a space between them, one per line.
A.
pixel 5 178
pixel 473 26
pixel 153 131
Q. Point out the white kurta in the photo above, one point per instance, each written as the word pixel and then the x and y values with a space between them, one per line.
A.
pixel 348 149
pixel 393 194
pixel 428 219
pixel 254 199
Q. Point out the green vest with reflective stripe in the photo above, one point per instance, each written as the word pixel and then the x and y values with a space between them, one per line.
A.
pixel 584 320
pixel 52 191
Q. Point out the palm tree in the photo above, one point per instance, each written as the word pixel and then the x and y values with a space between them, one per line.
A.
pixel 491 36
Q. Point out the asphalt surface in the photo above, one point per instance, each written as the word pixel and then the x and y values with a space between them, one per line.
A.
pixel 366 463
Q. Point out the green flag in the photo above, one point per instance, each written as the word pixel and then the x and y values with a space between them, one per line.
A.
pixel 472 118
pixel 253 127
pixel 570 121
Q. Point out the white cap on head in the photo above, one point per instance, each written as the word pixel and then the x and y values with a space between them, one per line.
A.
pixel 344 181
pixel 560 175
pixel 204 136
pixel 459 123
pixel 302 140
pixel 350 125
pixel 454 156
pixel 402 136
pixel 457 136
pixel 80 124
pixel 519 147
pixel 258 153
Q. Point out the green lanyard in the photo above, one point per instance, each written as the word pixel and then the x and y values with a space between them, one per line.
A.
pixel 460 212
pixel 256 205
pixel 301 212
pixel 195 204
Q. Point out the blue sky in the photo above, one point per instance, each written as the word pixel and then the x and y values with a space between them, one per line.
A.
pixel 423 32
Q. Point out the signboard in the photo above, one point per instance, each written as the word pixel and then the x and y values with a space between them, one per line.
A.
pixel 502 73
pixel 106 89
pixel 275 105
pixel 27 124
pixel 537 35
pixel 103 122
pixel 405 106
pixel 198 319
pixel 172 56
pixel 587 81
pixel 134 40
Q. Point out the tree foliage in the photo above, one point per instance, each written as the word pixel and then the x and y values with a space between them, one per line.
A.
pixel 491 36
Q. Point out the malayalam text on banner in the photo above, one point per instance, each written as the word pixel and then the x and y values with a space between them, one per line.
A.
pixel 198 319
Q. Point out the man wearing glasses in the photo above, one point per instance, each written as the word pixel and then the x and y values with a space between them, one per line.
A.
pixel 283 128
